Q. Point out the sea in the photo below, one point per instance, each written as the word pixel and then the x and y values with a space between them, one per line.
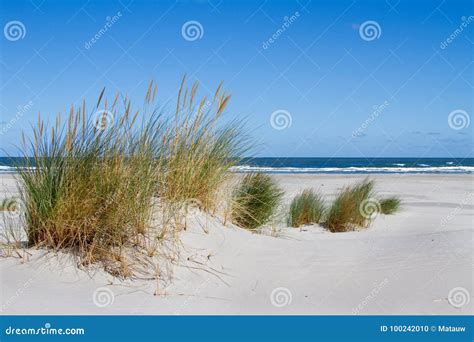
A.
pixel 330 165
pixel 357 165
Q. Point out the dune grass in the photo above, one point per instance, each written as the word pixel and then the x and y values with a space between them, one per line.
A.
pixel 390 205
pixel 352 207
pixel 198 151
pixel 255 200
pixel 306 208
pixel 91 181
pixel 88 187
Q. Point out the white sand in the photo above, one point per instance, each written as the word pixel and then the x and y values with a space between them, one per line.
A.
pixel 403 264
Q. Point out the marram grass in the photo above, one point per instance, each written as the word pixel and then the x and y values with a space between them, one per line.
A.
pixel 347 210
pixel 255 200
pixel 198 152
pixel 390 205
pixel 306 208
pixel 88 187
pixel 91 182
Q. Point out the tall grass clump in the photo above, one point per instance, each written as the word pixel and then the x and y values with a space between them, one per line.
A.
pixel 89 180
pixel 199 149
pixel 390 205
pixel 254 200
pixel 306 208
pixel 352 207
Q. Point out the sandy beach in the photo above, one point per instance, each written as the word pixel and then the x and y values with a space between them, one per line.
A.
pixel 402 264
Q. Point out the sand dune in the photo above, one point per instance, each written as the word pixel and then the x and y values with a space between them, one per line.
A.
pixel 403 264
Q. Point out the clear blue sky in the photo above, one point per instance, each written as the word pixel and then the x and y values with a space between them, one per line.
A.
pixel 319 68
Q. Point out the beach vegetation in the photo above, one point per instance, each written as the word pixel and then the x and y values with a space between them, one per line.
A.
pixel 254 200
pixel 390 205
pixel 91 181
pixel 197 151
pixel 306 208
pixel 353 207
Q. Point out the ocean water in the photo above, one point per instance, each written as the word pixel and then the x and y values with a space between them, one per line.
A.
pixel 357 165
pixel 332 165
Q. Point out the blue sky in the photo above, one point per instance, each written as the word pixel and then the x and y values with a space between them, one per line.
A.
pixel 321 71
